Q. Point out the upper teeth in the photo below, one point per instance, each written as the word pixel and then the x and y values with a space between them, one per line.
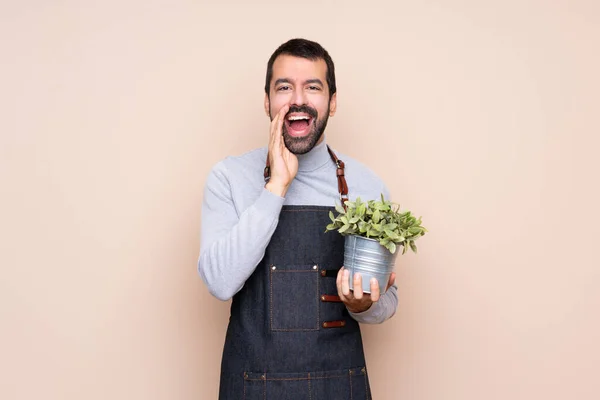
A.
pixel 297 117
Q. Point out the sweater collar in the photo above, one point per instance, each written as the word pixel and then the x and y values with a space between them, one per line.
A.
pixel 317 157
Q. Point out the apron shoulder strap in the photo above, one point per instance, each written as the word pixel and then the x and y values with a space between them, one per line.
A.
pixel 342 185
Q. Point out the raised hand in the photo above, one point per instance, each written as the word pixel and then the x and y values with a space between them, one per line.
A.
pixel 283 163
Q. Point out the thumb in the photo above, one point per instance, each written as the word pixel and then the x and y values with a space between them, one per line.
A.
pixel 391 281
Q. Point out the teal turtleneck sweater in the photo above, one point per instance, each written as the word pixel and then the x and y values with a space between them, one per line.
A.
pixel 239 216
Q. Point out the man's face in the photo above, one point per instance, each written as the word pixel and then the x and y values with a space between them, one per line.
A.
pixel 302 84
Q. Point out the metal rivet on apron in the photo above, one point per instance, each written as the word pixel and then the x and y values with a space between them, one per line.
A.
pixel 323 273
pixel 273 268
pixel 351 372
pixel 362 370
pixel 262 376
pixel 325 324
pixel 315 267
pixel 322 298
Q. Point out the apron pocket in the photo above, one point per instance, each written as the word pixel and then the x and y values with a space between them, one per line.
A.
pixel 345 384
pixel 294 298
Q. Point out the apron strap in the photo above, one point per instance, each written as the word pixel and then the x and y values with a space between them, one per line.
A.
pixel 342 185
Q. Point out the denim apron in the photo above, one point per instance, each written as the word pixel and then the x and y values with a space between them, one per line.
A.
pixel 289 336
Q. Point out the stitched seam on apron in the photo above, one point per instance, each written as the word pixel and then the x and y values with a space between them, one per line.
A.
pixel 294 330
pixel 297 379
pixel 366 384
pixel 309 391
pixel 366 388
pixel 291 270
pixel 318 303
pixel 350 377
pixel 309 210
pixel 271 299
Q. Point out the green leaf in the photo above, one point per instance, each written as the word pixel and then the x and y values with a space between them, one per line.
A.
pixel 376 216
pixel 373 233
pixel 363 226
pixel 331 216
pixel 391 235
pixel 344 228
pixel 390 226
pixel 340 209
pixel 413 246
pixel 391 247
pixel 361 209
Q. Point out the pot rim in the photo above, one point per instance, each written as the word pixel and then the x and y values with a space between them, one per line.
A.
pixel 363 237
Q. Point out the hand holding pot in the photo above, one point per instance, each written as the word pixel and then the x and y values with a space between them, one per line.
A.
pixel 357 301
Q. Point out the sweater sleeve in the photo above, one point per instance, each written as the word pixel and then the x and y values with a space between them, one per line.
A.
pixel 380 311
pixel 232 245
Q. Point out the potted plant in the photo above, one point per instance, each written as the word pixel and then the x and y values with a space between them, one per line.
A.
pixel 374 231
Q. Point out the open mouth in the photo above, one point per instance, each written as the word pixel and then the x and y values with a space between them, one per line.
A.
pixel 298 124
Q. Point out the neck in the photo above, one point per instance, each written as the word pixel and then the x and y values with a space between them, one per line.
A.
pixel 315 158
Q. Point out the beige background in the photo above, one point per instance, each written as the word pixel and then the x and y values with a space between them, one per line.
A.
pixel 482 116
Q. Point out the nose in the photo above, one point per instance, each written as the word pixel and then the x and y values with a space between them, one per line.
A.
pixel 299 98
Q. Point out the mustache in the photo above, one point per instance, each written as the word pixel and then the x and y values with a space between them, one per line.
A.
pixel 303 109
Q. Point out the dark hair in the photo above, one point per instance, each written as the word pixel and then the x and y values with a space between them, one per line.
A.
pixel 306 49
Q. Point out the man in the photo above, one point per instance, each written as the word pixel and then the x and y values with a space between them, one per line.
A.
pixel 293 331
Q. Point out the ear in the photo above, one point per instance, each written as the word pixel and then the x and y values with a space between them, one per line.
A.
pixel 333 104
pixel 267 106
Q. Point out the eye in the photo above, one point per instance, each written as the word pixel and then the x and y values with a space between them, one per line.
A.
pixel 283 88
pixel 314 88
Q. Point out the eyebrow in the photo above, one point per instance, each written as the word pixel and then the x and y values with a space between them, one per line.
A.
pixel 285 80
pixel 315 81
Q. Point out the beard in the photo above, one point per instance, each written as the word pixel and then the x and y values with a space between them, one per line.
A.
pixel 302 145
